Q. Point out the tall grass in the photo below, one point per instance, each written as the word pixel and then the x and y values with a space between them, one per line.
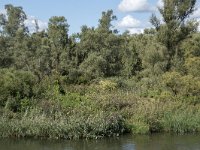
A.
pixel 95 112
pixel 64 127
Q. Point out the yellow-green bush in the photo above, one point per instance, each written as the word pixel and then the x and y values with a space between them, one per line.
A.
pixel 192 65
pixel 187 85
pixel 107 85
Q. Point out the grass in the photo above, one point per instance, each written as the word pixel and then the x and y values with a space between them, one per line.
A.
pixel 91 112
pixel 63 127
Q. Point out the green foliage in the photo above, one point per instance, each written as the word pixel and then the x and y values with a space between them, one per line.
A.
pixel 154 60
pixel 71 127
pixel 193 66
pixel 131 62
pixel 15 87
pixel 176 26
pixel 98 82
pixel 107 85
pixel 105 21
pixel 6 59
pixel 186 86
pixel 14 21
pixel 172 80
pixel 181 121
pixel 191 46
pixel 138 127
pixel 58 36
pixel 94 66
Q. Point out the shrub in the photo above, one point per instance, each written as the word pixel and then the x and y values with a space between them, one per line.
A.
pixel 107 85
pixel 193 66
pixel 186 86
pixel 15 85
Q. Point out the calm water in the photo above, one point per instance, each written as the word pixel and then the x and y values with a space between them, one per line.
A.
pixel 154 142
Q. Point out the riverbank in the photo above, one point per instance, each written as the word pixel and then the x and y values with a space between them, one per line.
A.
pixel 99 111
pixel 99 82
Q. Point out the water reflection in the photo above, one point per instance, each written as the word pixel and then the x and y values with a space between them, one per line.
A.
pixel 153 142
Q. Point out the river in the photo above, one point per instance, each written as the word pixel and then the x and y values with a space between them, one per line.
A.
pixel 127 142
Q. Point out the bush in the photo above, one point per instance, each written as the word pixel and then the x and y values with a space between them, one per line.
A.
pixel 94 66
pixel 193 66
pixel 15 85
pixel 186 86
pixel 107 85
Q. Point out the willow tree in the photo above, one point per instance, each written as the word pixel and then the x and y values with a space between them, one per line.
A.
pixel 176 27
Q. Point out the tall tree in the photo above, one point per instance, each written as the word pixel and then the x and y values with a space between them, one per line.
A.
pixel 110 43
pixel 14 20
pixel 12 35
pixel 176 27
pixel 106 19
pixel 58 36
pixel 102 44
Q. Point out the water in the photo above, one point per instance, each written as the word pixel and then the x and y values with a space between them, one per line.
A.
pixel 128 142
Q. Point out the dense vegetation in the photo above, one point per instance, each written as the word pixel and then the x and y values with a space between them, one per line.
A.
pixel 97 82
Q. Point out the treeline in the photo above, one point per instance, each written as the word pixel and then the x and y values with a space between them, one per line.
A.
pixel 53 74
pixel 100 52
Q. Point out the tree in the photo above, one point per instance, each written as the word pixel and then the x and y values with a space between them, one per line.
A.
pixel 176 26
pixel 150 54
pixel 13 35
pixel 105 21
pixel 94 66
pixel 102 41
pixel 131 62
pixel 6 58
pixel 39 55
pixel 191 48
pixel 110 44
pixel 14 20
pixel 58 36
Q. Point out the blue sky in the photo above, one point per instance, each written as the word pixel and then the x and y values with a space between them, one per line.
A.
pixel 133 15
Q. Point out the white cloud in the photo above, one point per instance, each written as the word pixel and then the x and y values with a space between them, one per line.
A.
pixel 135 6
pixel 129 22
pixel 135 30
pixel 196 13
pixel 30 23
pixel 160 3
pixel 3 11
pixel 132 25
